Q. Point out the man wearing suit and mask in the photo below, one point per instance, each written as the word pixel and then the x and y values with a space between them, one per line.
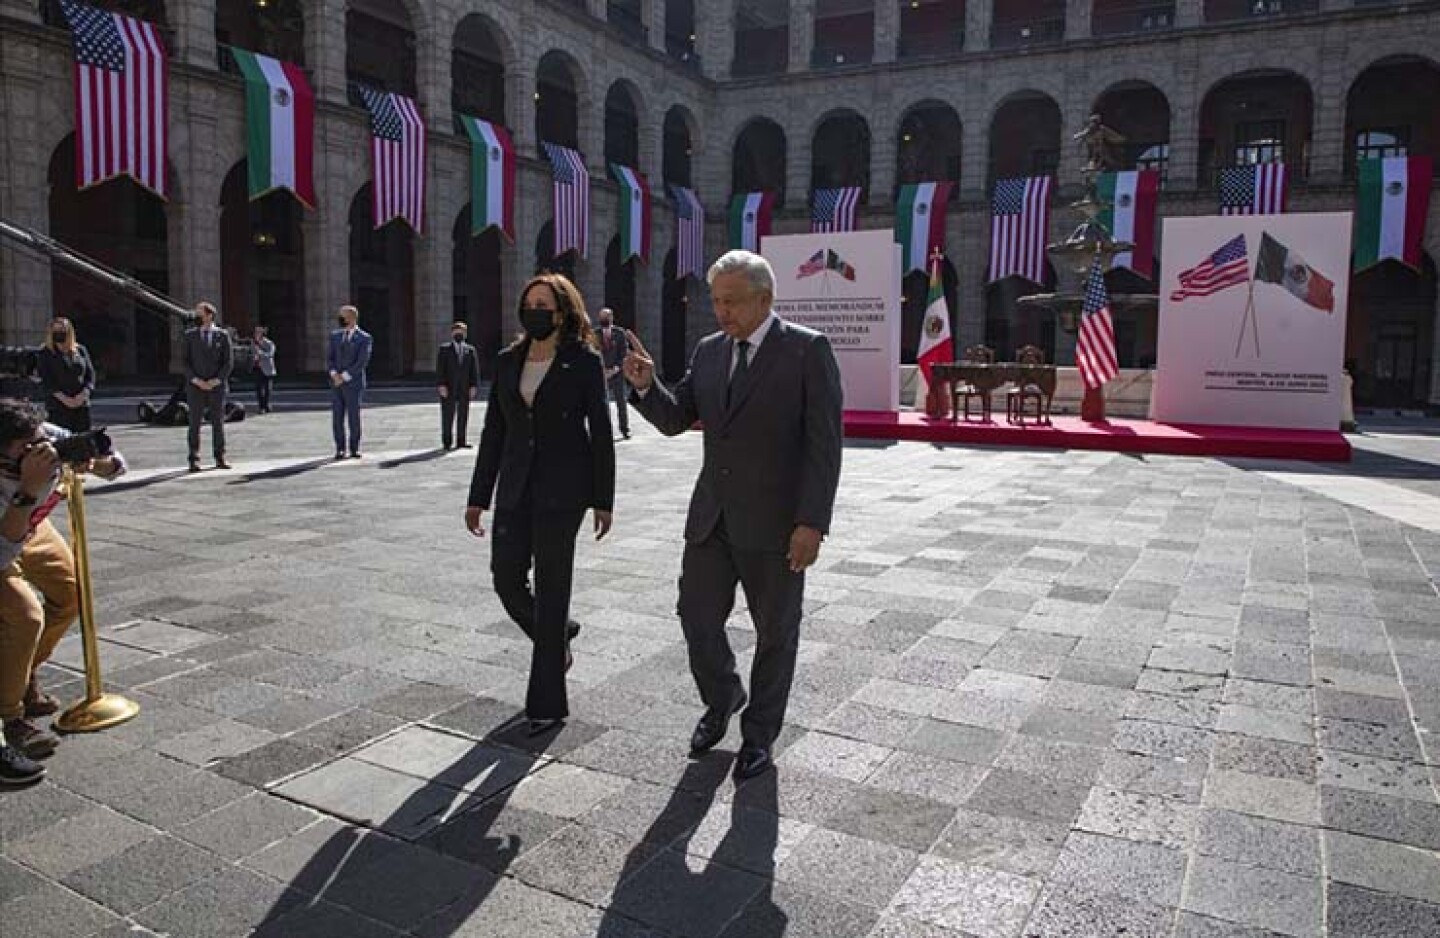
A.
pixel 768 393
pixel 613 349
pixel 209 358
pixel 346 359
pixel 457 370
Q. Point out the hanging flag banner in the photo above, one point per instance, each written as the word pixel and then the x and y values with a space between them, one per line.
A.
pixel 1257 189
pixel 397 150
pixel 834 209
pixel 1133 196
pixel 689 234
pixel 920 222
pixel 634 213
pixel 279 126
pixel 1393 199
pixel 1254 347
pixel 1019 227
pixel 750 219
pixel 492 177
pixel 571 187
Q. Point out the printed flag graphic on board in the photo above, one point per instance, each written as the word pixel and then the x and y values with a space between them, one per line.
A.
pixel 492 176
pixel 936 344
pixel 813 266
pixel 1284 267
pixel 920 222
pixel 1133 196
pixel 750 219
pixel 121 98
pixel 1258 189
pixel 279 126
pixel 1394 198
pixel 634 213
pixel 397 149
pixel 1228 266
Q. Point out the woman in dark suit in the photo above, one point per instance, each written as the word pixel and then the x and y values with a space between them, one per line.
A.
pixel 67 376
pixel 547 456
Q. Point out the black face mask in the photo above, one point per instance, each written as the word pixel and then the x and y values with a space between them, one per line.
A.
pixel 458 337
pixel 539 324
pixel 342 322
pixel 59 336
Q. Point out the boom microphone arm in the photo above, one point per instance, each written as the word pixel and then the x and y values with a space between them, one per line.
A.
pixel 48 248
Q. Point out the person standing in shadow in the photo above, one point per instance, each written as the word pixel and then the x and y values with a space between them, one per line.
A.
pixel 457 378
pixel 546 456
pixel 68 377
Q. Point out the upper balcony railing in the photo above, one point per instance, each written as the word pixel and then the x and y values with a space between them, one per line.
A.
pixel 1140 18
pixel 1229 11
pixel 764 51
pixel 918 44
pixel 1018 34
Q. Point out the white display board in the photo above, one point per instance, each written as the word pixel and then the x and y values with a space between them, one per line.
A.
pixel 848 287
pixel 1265 352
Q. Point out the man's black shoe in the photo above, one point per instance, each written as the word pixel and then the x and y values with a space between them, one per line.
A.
pixel 339 454
pixel 712 726
pixel 354 454
pixel 220 463
pixel 752 761
pixel 16 768
pixel 446 447
pixel 194 465
pixel 541 727
pixel 465 446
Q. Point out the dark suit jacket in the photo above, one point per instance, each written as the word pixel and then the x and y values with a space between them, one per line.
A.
pixel 351 357
pixel 64 373
pixel 207 360
pixel 772 458
pixel 460 372
pixel 562 448
pixel 613 354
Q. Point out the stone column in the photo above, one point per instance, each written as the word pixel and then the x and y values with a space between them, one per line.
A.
pixel 887 30
pixel 1077 20
pixel 798 153
pixel 1184 164
pixel 654 16
pixel 967 242
pixel 802 34
pixel 20 10
pixel 715 37
pixel 447 187
pixel 194 25
pixel 325 48
pixel 597 8
pixel 1327 134
pixel 979 15
pixel 1189 13
pixel 338 148
pixel 193 213
pixel 25 280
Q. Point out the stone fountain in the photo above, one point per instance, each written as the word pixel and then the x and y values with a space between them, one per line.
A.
pixel 1076 255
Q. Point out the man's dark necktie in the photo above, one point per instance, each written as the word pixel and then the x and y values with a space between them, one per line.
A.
pixel 742 368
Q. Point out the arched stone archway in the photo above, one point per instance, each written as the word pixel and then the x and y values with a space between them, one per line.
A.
pixel 762 38
pixel 929 145
pixel 274 28
pixel 1390 110
pixel 1020 23
pixel 931 28
pixel 1390 334
pixel 1025 136
pixel 1141 113
pixel 844 33
pixel 622 125
pixel 477 70
pixel 557 102
pixel 262 266
pixel 382 285
pixel 678 148
pixel 477 274
pixel 840 152
pixel 674 317
pixel 1256 117
pixel 620 293
pixel 380 47
pixel 758 159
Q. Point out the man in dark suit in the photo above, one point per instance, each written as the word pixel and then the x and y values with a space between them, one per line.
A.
pixel 613 349
pixel 457 371
pixel 768 393
pixel 346 359
pixel 209 358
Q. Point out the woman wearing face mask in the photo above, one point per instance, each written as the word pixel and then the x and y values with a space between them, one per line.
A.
pixel 67 376
pixel 546 455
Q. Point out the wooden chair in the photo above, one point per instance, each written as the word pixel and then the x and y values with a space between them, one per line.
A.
pixel 977 387
pixel 1025 388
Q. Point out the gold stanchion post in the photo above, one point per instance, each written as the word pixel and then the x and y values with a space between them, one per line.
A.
pixel 98 710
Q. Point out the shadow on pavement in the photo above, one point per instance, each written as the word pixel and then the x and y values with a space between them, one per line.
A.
pixel 427 456
pixel 283 472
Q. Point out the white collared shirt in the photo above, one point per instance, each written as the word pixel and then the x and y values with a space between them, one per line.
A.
pixel 756 337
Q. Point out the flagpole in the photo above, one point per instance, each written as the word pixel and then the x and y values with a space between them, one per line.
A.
pixel 1245 320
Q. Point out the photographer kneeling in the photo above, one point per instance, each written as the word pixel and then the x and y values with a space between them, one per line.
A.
pixel 38 597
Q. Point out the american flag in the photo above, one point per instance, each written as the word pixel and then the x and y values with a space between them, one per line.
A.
pixel 834 209
pixel 1095 349
pixel 121 98
pixel 1019 223
pixel 572 199
pixel 813 266
pixel 397 147
pixel 1260 189
pixel 689 234
pixel 1229 266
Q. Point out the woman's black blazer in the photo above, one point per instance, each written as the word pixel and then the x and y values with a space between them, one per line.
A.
pixel 559 453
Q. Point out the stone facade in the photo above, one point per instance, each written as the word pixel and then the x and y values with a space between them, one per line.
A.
pixel 1328 49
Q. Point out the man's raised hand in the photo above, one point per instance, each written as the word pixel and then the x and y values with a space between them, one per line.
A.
pixel 639 366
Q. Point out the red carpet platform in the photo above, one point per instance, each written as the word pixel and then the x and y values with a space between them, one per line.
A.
pixel 1121 436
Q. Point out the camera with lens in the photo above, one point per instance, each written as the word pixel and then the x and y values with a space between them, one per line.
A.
pixel 79 448
pixel 18 361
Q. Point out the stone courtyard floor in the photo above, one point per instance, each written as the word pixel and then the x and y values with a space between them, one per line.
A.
pixel 1040 694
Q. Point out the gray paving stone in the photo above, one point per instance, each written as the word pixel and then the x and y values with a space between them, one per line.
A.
pixel 957 742
pixel 77 841
pixel 231 902
pixel 1253 841
pixel 1163 739
pixel 1074 913
pixel 847 868
pixel 1275 798
pixel 1050 758
pixel 1187 684
pixel 52 912
pixel 1388 741
pixel 802 913
pixel 1153 775
pixel 1266 757
pixel 896 818
pixel 493 835
pixel 246 826
pixel 967 898
pixel 402 805
pixel 1284 697
pixel 143 874
pixel 1067 726
pixel 322 920
pixel 1352 912
pixel 1135 816
pixel 1015 845
pixel 928 777
pixel 218 740
pixel 1149 873
pixel 1190 925
pixel 407 884
pixel 667 895
pixel 1375 775
pixel 1022 795
pixel 1404 820
pixel 1382 865
pixel 267 764
pixel 311 859
pixel 1248 895
pixel 834 755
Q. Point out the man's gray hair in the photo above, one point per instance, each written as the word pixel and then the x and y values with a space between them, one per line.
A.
pixel 756 268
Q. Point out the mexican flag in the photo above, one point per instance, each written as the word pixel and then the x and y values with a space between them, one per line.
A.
pixel 920 222
pixel 750 219
pixel 492 176
pixel 634 213
pixel 936 345
pixel 1394 197
pixel 279 126
pixel 1131 216
pixel 1284 267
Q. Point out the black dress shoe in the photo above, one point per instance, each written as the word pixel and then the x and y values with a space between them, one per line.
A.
pixel 220 463
pixel 339 454
pixel 752 761
pixel 194 466
pixel 354 454
pixel 465 446
pixel 712 726
pixel 541 727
